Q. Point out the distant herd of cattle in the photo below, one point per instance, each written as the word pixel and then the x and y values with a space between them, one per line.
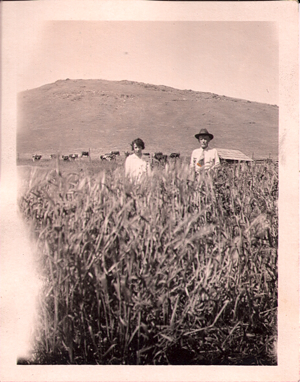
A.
pixel 159 157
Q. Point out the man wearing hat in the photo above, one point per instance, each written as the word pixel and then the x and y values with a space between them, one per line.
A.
pixel 204 157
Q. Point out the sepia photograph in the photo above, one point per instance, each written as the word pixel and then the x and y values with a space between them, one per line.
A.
pixel 155 195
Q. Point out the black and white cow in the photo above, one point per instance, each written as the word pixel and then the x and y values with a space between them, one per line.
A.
pixel 160 157
pixel 85 154
pixel 65 157
pixel 175 155
pixel 116 153
pixel 36 157
pixel 73 156
pixel 108 157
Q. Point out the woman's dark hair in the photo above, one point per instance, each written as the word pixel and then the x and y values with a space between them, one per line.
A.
pixel 139 142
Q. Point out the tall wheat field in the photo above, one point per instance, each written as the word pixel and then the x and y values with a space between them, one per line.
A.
pixel 170 271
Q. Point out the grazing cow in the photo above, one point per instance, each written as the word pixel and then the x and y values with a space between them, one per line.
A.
pixel 116 153
pixel 108 157
pixel 161 158
pixel 36 157
pixel 158 156
pixel 73 156
pixel 85 154
pixel 175 155
pixel 65 157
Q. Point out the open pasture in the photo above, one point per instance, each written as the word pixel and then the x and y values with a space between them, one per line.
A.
pixel 173 270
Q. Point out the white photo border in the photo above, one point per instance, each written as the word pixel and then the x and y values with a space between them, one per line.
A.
pixel 16 15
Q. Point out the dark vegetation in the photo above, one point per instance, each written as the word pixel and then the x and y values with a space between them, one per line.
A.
pixel 174 270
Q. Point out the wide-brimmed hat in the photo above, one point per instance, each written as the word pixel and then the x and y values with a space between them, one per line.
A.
pixel 204 132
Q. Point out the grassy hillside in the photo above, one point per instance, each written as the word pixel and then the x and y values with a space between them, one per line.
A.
pixel 73 115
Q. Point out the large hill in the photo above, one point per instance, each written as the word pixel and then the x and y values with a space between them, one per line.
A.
pixel 73 115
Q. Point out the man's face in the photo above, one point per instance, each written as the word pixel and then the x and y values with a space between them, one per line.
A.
pixel 204 140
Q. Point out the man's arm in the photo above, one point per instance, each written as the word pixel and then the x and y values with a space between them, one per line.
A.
pixel 194 158
pixel 217 160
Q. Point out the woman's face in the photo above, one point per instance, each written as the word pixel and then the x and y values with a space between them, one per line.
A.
pixel 137 150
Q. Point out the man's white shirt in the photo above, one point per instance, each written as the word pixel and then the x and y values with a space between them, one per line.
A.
pixel 209 156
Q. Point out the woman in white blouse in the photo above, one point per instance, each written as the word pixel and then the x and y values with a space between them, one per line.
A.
pixel 204 157
pixel 135 165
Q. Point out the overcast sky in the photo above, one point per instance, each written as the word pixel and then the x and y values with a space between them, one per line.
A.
pixel 236 59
